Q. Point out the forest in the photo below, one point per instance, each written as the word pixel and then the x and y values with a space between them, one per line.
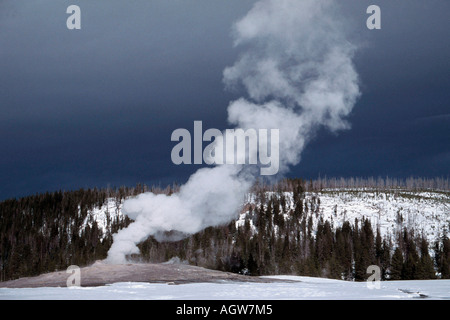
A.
pixel 47 232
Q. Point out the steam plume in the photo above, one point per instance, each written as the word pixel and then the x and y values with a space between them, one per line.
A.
pixel 297 70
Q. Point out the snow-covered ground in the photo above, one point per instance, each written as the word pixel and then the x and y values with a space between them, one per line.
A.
pixel 301 288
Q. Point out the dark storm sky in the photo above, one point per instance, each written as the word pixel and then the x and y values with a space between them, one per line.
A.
pixel 97 106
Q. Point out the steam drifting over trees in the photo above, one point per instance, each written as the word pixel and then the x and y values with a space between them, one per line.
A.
pixel 281 230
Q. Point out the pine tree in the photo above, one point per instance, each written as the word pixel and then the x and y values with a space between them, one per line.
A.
pixel 378 248
pixel 252 266
pixel 364 249
pixel 396 270
pixel 411 257
pixel 425 268
pixel 445 257
pixel 385 259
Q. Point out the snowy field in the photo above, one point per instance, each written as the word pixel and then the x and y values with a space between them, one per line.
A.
pixel 303 288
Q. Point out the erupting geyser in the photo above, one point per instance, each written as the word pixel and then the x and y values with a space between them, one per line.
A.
pixel 298 73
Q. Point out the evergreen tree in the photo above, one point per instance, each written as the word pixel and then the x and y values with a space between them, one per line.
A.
pixel 252 266
pixel 411 257
pixel 396 271
pixel 444 263
pixel 379 248
pixel 364 249
pixel 425 268
pixel 385 259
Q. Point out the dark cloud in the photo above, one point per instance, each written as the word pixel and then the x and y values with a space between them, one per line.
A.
pixel 96 106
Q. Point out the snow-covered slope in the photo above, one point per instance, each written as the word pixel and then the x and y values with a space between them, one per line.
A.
pixel 104 215
pixel 426 213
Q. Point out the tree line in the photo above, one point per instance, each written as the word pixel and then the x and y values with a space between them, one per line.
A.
pixel 47 232
pixel 375 183
pixel 278 239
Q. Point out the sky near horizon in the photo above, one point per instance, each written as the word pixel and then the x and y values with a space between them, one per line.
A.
pixel 96 107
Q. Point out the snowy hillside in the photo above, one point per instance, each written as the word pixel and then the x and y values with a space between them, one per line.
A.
pixel 426 213
pixel 104 215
